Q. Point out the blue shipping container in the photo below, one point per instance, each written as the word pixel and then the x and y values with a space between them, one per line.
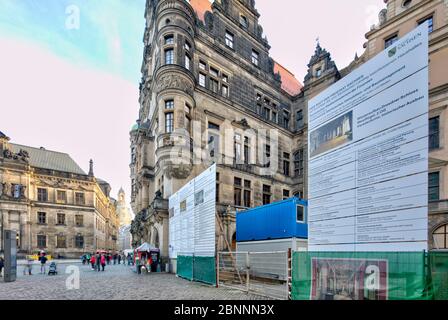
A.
pixel 280 220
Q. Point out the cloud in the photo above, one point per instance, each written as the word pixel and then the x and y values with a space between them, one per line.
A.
pixel 47 101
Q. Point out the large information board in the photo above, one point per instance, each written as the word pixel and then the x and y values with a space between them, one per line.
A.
pixel 368 154
pixel 192 217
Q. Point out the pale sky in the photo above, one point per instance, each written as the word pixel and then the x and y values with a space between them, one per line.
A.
pixel 74 88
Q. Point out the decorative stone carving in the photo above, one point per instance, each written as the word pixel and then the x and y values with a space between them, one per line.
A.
pixel 175 82
pixel 382 17
pixel 242 124
pixel 7 154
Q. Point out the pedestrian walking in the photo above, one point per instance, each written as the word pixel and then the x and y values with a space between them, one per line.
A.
pixel 92 261
pixel 43 260
pixel 98 262
pixel 115 258
pixel 2 264
pixel 103 261
pixel 28 266
pixel 119 259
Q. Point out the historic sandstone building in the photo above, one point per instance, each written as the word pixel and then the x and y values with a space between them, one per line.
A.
pixel 52 204
pixel 207 68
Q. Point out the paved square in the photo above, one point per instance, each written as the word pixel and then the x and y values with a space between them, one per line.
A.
pixel 117 282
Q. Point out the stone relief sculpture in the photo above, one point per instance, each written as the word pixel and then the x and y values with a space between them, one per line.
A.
pixel 175 82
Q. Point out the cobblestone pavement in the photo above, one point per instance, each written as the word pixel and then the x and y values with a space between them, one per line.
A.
pixel 117 282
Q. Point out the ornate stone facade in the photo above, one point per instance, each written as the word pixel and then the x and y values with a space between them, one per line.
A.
pixel 52 204
pixel 209 64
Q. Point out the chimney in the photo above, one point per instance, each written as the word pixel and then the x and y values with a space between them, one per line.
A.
pixel 91 168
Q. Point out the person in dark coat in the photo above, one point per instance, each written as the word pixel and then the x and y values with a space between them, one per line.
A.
pixel 98 261
pixel 2 264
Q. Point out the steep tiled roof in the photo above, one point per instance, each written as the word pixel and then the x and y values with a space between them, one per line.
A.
pixel 289 82
pixel 201 7
pixel 46 159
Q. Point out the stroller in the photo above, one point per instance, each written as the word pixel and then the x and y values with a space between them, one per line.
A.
pixel 52 270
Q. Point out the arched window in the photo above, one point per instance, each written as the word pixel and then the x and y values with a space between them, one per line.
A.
pixel 440 237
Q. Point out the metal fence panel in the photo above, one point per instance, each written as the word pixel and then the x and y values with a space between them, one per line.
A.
pixel 264 273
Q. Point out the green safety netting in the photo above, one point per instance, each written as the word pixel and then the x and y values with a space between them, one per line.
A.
pixel 204 270
pixel 197 268
pixel 438 262
pixel 185 267
pixel 360 276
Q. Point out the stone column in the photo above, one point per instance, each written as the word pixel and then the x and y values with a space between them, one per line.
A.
pixel 25 235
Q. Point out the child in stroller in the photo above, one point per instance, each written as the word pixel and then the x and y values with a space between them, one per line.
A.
pixel 53 270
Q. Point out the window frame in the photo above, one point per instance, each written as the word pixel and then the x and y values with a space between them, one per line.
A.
pixel 230 39
pixel 169 122
pixel 169 59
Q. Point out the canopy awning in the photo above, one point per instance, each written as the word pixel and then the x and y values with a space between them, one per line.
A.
pixel 146 247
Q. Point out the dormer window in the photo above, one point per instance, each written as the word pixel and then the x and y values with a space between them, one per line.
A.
pixel 318 72
pixel 244 22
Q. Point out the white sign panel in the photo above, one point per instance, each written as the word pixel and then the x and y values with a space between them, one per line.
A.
pixel 368 154
pixel 192 217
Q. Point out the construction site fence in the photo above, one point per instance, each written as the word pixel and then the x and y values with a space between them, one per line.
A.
pixel 369 276
pixel 197 267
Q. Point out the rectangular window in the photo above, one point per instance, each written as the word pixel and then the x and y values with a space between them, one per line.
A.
pixel 213 126
pixel 433 185
pixel 42 195
pixel 286 119
pixel 255 58
pixel 61 241
pixel 169 56
pixel 266 194
pixel 187 46
pixel 169 39
pixel 202 80
pixel 318 72
pixel 214 72
pixel 300 214
pixel 61 219
pixel 79 198
pixel 225 78
pixel 286 194
pixel 214 85
pixel 237 192
pixel 17 191
pixel 169 122
pixel 169 104
pixel 266 113
pixel 430 24
pixel 42 218
pixel 246 150
pixel 202 65
pixel 390 41
pixel 79 242
pixel 267 154
pixel 61 196
pixel 274 116
pixel 286 168
pixel 434 134
pixel 229 39
pixel 225 91
pixel 298 163
pixel 299 119
pixel 187 62
pixel 247 196
pixel 79 220
pixel 41 241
